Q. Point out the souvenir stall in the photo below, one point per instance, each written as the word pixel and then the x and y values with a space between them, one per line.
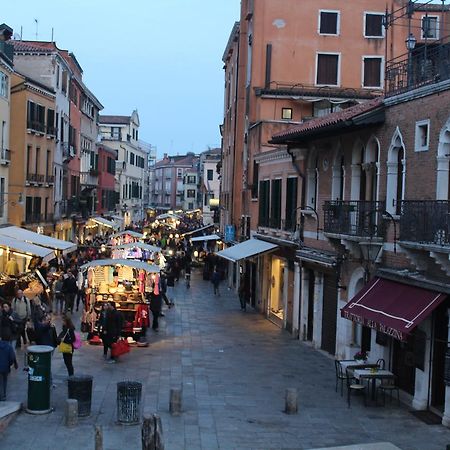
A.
pixel 136 250
pixel 125 237
pixel 124 282
pixel 99 226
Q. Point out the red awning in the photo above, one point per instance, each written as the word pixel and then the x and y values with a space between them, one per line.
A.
pixel 392 308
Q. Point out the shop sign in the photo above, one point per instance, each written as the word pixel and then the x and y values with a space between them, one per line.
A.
pixel 229 233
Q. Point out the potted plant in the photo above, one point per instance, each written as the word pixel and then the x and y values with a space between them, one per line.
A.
pixel 361 356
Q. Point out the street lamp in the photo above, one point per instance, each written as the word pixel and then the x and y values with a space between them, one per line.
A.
pixel 410 46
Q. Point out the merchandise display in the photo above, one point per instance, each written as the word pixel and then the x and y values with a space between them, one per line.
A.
pixel 136 250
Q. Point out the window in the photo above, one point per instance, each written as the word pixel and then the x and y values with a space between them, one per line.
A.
pixel 291 203
pixel 115 133
pixel 210 174
pixel 372 72
pixel 373 25
pixel 51 122
pixel 329 22
pixel 275 204
pixel 190 193
pixel 286 113
pixel 179 173
pixel 64 81
pixel 2 196
pixel 422 139
pixel 430 27
pixel 132 158
pixel 190 179
pixel 264 203
pixel 255 180
pixel 3 85
pixel 327 69
pixel 35 117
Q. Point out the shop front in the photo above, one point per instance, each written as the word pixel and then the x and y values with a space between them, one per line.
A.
pixel 406 325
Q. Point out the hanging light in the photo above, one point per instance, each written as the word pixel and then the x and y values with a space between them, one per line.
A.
pixel 410 42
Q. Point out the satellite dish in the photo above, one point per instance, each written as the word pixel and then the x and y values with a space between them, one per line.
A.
pixel 17 37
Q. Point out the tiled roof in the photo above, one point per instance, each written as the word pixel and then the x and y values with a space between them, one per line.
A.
pixel 326 121
pixel 120 120
pixel 33 46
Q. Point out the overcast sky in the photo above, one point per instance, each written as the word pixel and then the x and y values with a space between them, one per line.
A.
pixel 163 57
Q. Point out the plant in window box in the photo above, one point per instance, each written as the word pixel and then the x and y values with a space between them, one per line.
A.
pixel 361 356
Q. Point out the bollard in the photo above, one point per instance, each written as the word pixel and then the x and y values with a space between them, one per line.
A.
pixel 291 401
pixel 98 437
pixel 152 438
pixel 175 401
pixel 71 412
pixel 80 388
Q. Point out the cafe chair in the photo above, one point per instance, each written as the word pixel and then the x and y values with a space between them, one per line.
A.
pixel 381 363
pixel 340 375
pixel 389 385
pixel 353 386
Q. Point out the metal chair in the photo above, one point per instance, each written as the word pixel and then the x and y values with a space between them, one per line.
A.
pixel 340 375
pixel 389 385
pixel 381 363
pixel 353 386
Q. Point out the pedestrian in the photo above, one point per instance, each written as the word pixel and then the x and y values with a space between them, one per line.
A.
pixel 163 290
pixel 8 325
pixel 67 336
pixel 38 310
pixel 215 280
pixel 7 359
pixel 170 281
pixel 81 292
pixel 243 293
pixel 70 290
pixel 58 295
pixel 188 274
pixel 155 308
pixel 111 328
pixel 45 332
pixel 22 310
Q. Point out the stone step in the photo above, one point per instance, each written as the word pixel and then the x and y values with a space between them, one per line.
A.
pixel 8 410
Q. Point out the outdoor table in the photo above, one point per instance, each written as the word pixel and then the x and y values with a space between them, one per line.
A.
pixel 370 374
pixel 354 364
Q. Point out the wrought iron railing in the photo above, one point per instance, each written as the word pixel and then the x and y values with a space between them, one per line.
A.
pixel 35 178
pixel 425 221
pixel 36 126
pixel 49 179
pixel 425 65
pixel 354 218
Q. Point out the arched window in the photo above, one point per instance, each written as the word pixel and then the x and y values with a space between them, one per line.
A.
pixel 396 171
pixel 443 164
pixel 371 169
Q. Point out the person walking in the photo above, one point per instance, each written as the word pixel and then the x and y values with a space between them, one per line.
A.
pixel 170 282
pixel 67 336
pixel 7 359
pixel 187 270
pixel 155 308
pixel 215 280
pixel 70 290
pixel 111 326
pixel 58 295
pixel 8 325
pixel 243 293
pixel 22 310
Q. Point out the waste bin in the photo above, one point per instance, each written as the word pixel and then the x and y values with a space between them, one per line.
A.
pixel 80 388
pixel 39 361
pixel 129 402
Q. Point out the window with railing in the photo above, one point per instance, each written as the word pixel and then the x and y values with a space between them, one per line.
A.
pixel 35 117
pixel 4 85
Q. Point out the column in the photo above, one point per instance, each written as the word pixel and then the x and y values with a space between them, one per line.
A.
pixel 304 304
pixel 446 417
pixel 420 400
pixel 318 309
pixel 296 301
pixel 442 177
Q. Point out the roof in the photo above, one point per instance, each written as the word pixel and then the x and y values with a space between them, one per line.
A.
pixel 119 120
pixel 246 249
pixel 20 246
pixel 341 117
pixel 33 46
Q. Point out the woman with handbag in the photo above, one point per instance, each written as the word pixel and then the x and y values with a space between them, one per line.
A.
pixel 66 339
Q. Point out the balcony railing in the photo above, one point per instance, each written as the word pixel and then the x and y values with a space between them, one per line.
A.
pixel 35 178
pixel 36 126
pixel 425 65
pixel 425 222
pixel 354 218
pixel 51 131
pixel 49 179
pixel 5 155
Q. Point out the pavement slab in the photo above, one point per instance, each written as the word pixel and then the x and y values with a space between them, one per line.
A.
pixel 234 368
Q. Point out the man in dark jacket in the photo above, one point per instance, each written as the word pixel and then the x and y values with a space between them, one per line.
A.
pixel 111 328
pixel 45 332
pixel 8 326
pixel 155 308
pixel 7 359
pixel 70 290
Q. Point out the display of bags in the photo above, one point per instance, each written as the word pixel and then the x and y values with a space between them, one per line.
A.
pixel 119 348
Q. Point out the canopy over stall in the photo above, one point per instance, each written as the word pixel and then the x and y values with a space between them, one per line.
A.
pixel 209 237
pixel 168 216
pixel 246 249
pixel 198 229
pixel 104 222
pixel 121 262
pixel 129 232
pixel 21 234
pixel 141 245
pixel 26 248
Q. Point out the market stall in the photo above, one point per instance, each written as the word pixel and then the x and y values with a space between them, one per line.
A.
pixel 124 282
pixel 125 237
pixel 99 226
pixel 136 250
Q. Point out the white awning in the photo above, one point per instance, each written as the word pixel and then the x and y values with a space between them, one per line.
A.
pixel 198 229
pixel 26 248
pixel 208 237
pixel 121 262
pixel 246 249
pixel 129 232
pixel 168 216
pixel 141 245
pixel 104 222
pixel 21 234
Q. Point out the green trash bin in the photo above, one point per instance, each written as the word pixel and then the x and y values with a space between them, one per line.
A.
pixel 39 359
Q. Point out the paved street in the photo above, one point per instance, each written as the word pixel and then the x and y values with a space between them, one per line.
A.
pixel 234 368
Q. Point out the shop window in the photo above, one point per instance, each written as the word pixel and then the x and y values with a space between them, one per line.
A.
pixel 286 113
pixel 373 25
pixel 372 72
pixel 422 137
pixel 327 69
pixel 329 22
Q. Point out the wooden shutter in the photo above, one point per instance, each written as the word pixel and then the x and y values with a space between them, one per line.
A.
pixel 374 25
pixel 327 69
pixel 372 72
pixel 328 22
pixel 275 204
pixel 291 203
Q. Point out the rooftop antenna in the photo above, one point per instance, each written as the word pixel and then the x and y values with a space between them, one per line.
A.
pixel 37 28
pixel 52 34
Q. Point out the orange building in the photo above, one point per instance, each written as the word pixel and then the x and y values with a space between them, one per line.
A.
pixel 32 141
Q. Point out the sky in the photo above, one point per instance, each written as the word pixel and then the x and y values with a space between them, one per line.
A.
pixel 161 57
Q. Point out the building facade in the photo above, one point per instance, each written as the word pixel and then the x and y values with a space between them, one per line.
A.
pixel 210 185
pixel 106 187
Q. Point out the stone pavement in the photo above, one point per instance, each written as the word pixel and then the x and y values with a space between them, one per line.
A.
pixel 234 368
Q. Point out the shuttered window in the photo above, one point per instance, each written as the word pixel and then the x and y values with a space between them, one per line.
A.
pixel 264 202
pixel 275 204
pixel 327 69
pixel 372 72
pixel 291 203
pixel 328 22
pixel 374 25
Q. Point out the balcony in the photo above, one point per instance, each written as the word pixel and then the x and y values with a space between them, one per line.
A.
pixel 51 132
pixel 354 218
pixel 50 179
pixel 107 136
pixel 94 172
pixel 35 178
pixel 35 126
pixel 7 51
pixel 5 157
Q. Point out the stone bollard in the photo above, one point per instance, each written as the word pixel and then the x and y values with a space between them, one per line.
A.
pixel 291 401
pixel 152 437
pixel 71 412
pixel 98 437
pixel 175 401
